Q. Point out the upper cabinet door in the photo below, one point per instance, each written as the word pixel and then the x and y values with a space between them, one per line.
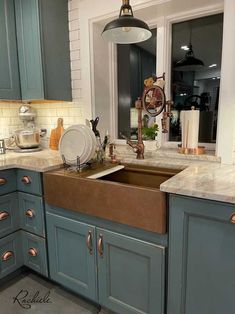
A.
pixel 9 74
pixel 29 49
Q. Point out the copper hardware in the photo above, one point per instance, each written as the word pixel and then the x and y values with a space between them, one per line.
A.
pixel 25 180
pixel 3 181
pixel 4 215
pixel 29 213
pixel 200 150
pixel 232 219
pixel 100 246
pixel 89 242
pixel 32 252
pixel 7 255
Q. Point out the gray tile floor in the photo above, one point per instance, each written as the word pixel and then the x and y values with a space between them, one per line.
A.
pixel 61 301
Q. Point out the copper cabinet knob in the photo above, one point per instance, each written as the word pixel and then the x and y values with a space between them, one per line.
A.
pixel 7 255
pixel 232 219
pixel 100 246
pixel 29 213
pixel 32 252
pixel 4 215
pixel 25 180
pixel 89 242
pixel 3 181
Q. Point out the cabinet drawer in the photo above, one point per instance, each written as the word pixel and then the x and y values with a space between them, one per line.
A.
pixel 9 214
pixel 7 181
pixel 10 254
pixel 34 253
pixel 29 181
pixel 32 213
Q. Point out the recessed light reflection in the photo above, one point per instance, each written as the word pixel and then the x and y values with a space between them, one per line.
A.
pixel 212 65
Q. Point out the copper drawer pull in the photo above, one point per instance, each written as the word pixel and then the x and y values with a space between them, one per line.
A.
pixel 25 180
pixel 89 242
pixel 100 246
pixel 3 181
pixel 7 255
pixel 232 219
pixel 32 252
pixel 4 215
pixel 29 213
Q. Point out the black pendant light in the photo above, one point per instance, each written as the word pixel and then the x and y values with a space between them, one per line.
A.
pixel 126 29
pixel 189 62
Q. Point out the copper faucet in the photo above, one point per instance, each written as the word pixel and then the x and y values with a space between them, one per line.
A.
pixel 138 148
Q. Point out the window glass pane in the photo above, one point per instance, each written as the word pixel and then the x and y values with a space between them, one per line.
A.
pixel 136 62
pixel 195 85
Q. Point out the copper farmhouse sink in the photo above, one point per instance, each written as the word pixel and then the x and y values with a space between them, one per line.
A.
pixel 129 196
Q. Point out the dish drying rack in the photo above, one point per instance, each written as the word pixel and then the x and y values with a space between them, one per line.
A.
pixel 79 167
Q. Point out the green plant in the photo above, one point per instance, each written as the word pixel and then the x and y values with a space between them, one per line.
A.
pixel 150 132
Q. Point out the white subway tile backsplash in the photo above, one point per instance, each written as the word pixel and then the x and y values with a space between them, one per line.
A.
pixel 74 45
pixel 75 65
pixel 75 55
pixel 74 35
pixel 76 75
pixel 73 14
pixel 74 25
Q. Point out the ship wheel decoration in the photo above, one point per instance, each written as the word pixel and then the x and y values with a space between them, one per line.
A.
pixel 154 100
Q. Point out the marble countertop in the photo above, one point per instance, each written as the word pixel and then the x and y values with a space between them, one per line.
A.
pixel 212 181
pixel 41 161
pixel 203 177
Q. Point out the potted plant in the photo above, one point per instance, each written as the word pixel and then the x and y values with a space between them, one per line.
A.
pixel 149 133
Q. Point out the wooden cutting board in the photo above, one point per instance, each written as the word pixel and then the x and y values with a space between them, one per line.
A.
pixel 56 135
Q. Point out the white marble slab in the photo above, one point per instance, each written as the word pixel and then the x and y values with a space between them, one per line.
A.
pixel 42 161
pixel 204 180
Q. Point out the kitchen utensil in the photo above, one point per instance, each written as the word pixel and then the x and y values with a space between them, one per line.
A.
pixel 27 138
pixel 56 135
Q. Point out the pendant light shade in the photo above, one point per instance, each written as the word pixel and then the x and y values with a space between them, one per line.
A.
pixel 126 29
pixel 189 62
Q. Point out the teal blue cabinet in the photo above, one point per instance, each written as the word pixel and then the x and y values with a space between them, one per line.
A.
pixel 72 254
pixel 9 214
pixel 122 273
pixel 34 252
pixel 29 181
pixel 9 72
pixel 34 50
pixel 10 254
pixel 131 274
pixel 201 256
pixel 7 181
pixel 31 212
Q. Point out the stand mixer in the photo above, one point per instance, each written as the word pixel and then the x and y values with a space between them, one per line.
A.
pixel 27 139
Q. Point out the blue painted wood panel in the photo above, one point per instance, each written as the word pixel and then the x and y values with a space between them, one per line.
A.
pixel 9 71
pixel 9 210
pixel 29 49
pixel 11 245
pixel 201 257
pixel 37 262
pixel 70 260
pixel 131 274
pixel 32 204
pixel 7 181
pixel 34 186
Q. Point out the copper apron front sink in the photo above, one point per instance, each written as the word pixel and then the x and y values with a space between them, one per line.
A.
pixel 129 196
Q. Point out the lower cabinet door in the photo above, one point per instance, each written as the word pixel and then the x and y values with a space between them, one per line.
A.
pixel 72 257
pixel 34 252
pixel 10 254
pixel 130 274
pixel 201 275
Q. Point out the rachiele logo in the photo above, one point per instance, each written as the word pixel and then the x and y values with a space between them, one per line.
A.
pixel 25 299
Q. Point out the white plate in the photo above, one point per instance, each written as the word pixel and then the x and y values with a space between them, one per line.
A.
pixel 76 142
